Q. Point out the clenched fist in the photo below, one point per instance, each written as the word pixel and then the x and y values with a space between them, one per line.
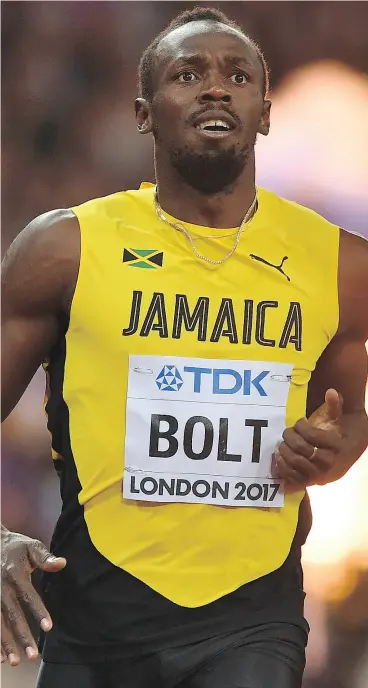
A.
pixel 311 447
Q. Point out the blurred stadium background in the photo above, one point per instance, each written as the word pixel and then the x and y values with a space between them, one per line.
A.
pixel 68 134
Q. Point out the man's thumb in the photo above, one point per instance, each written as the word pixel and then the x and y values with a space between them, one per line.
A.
pixel 334 403
pixel 329 412
pixel 42 559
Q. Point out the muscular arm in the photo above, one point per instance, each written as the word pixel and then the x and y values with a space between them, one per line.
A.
pixel 344 365
pixel 39 273
pixel 324 448
pixel 38 280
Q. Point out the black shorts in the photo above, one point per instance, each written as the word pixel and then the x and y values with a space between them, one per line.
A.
pixel 265 656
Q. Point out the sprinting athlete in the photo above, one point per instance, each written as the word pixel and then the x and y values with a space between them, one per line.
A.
pixel 188 329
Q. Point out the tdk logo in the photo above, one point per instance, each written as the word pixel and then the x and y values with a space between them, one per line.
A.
pixel 223 380
pixel 169 379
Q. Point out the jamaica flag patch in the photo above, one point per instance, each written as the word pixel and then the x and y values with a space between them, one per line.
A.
pixel 143 258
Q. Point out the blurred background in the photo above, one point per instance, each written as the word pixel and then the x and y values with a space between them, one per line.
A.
pixel 68 134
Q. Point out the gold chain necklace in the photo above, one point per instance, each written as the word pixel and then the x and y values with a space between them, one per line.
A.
pixel 248 217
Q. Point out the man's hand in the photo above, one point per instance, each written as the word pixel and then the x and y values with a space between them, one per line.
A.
pixel 311 448
pixel 20 556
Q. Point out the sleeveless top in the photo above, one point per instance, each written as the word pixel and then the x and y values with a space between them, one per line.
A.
pixel 174 382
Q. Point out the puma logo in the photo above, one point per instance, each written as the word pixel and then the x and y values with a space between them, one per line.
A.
pixel 277 267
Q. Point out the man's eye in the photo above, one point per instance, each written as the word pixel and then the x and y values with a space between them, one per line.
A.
pixel 239 78
pixel 186 76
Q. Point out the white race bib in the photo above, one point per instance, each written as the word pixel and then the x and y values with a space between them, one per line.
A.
pixel 204 430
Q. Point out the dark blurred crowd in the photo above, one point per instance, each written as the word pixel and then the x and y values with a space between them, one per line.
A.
pixel 69 80
pixel 68 134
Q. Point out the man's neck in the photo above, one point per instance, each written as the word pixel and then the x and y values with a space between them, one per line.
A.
pixel 222 210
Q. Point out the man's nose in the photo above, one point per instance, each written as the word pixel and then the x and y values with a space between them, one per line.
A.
pixel 214 93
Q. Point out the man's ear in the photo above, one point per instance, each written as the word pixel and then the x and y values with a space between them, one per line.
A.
pixel 143 115
pixel 264 125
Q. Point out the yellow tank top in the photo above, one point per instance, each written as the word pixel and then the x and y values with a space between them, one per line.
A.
pixel 170 351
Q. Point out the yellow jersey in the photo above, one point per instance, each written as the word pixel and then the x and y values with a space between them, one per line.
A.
pixel 178 377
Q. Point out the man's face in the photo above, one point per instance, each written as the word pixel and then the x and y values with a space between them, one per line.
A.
pixel 208 105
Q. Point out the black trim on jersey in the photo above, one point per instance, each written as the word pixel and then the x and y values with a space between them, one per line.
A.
pixel 58 425
pixel 101 612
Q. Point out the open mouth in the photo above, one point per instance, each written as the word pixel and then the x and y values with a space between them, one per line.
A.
pixel 214 128
pixel 213 125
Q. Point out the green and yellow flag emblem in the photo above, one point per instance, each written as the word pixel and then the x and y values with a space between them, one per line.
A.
pixel 150 259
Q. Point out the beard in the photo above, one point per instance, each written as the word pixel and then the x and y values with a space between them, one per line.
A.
pixel 210 172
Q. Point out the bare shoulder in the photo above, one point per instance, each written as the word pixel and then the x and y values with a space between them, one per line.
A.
pixel 41 266
pixel 353 282
pixel 353 258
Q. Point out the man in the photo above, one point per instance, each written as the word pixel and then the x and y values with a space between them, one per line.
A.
pixel 176 353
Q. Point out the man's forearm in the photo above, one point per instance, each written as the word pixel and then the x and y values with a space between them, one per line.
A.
pixel 354 430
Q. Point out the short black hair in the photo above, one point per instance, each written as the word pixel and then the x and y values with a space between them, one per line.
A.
pixel 147 61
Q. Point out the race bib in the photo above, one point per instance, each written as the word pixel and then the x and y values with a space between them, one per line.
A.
pixel 204 430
